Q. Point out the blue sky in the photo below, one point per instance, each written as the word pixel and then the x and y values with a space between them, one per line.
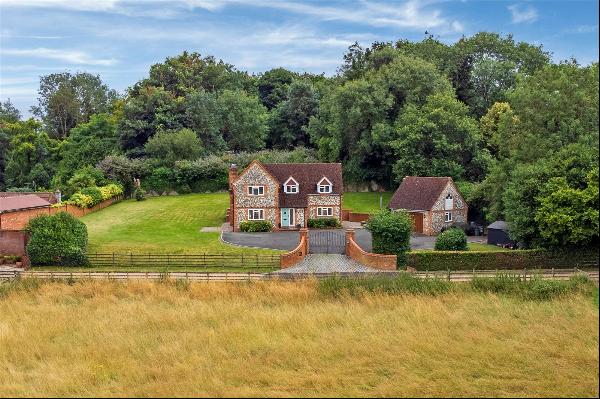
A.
pixel 120 39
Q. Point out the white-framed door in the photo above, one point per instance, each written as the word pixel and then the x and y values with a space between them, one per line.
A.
pixel 287 217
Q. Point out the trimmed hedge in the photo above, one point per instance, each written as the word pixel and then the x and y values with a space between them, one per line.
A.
pixel 453 239
pixel 391 233
pixel 256 226
pixel 324 223
pixel 92 196
pixel 517 259
pixel 57 240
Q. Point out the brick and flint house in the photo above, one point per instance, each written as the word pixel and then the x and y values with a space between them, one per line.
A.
pixel 433 203
pixel 287 195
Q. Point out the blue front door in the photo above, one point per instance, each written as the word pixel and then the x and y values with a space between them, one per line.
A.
pixel 287 218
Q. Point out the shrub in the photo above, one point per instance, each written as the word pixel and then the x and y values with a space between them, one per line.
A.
pixel 59 239
pixel 256 226
pixel 93 192
pixel 139 194
pixel 81 200
pixel 110 191
pixel 324 223
pixel 451 240
pixel 160 180
pixel 391 233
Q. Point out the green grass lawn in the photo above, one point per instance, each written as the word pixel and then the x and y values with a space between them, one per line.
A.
pixel 169 224
pixel 474 246
pixel 365 202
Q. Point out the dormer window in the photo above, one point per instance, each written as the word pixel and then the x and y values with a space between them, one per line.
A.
pixel 291 186
pixel 324 186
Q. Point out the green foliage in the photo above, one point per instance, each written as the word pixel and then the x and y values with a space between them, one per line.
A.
pixel 244 121
pixel 92 196
pixel 169 147
pixel 110 191
pixel 489 260
pixel 453 239
pixel 160 180
pixel 204 117
pixel 324 223
pixel 402 283
pixel 273 86
pixel 84 177
pixel 60 240
pixel 139 194
pixel 256 226
pixel 94 193
pixel 391 233
pixel 123 170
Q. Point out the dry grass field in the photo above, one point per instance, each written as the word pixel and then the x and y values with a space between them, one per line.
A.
pixel 287 339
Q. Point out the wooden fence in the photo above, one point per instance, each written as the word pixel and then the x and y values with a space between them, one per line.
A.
pixel 455 276
pixel 205 260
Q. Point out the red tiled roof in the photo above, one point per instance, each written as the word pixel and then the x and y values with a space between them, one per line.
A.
pixel 418 193
pixel 307 175
pixel 46 195
pixel 8 204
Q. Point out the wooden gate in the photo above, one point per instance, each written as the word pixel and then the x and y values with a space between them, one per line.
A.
pixel 417 218
pixel 327 242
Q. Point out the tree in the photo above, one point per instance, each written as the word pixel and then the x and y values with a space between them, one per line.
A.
pixel 67 99
pixel 8 112
pixel 31 158
pixel 203 114
pixel 244 121
pixel 273 86
pixel 495 127
pixel 168 147
pixel 123 170
pixel 88 144
pixel 391 232
pixel 290 119
pixel 438 139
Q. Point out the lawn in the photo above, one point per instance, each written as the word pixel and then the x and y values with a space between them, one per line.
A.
pixel 475 246
pixel 102 338
pixel 169 224
pixel 365 202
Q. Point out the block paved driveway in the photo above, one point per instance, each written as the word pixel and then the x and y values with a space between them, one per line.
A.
pixel 327 263
pixel 288 240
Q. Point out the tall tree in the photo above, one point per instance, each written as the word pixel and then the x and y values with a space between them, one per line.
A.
pixel 67 99
pixel 204 118
pixel 273 86
pixel 244 119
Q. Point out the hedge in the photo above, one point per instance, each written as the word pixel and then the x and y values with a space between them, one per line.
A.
pixel 92 196
pixel 517 259
pixel 323 223
pixel 453 239
pixel 256 226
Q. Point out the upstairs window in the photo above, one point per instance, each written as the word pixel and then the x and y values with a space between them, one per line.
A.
pixel 449 203
pixel 324 186
pixel 291 186
pixel 256 190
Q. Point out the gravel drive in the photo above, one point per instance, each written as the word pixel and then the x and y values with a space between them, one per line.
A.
pixel 327 263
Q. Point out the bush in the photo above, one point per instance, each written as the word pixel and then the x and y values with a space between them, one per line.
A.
pixel 324 223
pixel 256 226
pixel 160 180
pixel 81 200
pixel 391 233
pixel 402 283
pixel 139 194
pixel 93 192
pixel 110 191
pixel 57 240
pixel 451 240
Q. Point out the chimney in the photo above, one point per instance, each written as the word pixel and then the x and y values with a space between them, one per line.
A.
pixel 233 173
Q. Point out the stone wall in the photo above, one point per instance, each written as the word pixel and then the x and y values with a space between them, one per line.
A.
pixel 434 220
pixel 255 175
pixel 329 200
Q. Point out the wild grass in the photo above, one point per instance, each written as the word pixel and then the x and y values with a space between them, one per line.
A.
pixel 169 224
pixel 102 338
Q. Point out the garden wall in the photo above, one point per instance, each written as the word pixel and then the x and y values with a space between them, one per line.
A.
pixel 518 259
pixel 349 216
pixel 296 255
pixel 376 261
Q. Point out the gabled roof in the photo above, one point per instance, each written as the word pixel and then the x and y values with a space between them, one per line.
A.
pixel 307 175
pixel 418 193
pixel 10 204
pixel 499 225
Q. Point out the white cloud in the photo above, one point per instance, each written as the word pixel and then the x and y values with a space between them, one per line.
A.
pixel 523 14
pixel 69 56
pixel 80 5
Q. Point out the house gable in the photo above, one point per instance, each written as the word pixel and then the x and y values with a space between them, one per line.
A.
pixel 457 199
pixel 255 175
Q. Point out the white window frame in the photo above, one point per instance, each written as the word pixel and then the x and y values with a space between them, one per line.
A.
pixel 328 213
pixel 449 202
pixel 291 188
pixel 251 214
pixel 447 216
pixel 260 190
pixel 324 188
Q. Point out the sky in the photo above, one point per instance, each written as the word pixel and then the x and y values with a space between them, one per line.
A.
pixel 121 39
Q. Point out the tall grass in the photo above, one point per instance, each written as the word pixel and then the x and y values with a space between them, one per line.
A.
pixel 104 338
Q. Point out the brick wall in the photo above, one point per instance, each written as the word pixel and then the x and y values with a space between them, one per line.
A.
pixel 296 255
pixel 12 243
pixel 376 261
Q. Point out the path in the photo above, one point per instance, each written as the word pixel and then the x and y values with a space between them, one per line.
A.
pixel 328 263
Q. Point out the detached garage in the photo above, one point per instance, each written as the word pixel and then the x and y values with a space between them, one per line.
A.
pixel 497 234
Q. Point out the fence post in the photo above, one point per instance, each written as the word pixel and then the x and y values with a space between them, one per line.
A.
pixel 449 274
pixel 113 258
pixel 553 273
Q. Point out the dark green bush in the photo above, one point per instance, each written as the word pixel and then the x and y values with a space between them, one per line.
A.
pixel 59 240
pixel 453 239
pixel 391 233
pixel 518 259
pixel 256 226
pixel 93 192
pixel 402 283
pixel 324 223
pixel 139 194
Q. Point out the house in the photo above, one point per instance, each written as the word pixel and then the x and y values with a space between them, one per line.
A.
pixel 287 194
pixel 433 203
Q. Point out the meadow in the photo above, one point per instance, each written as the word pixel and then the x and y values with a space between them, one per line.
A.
pixel 102 338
